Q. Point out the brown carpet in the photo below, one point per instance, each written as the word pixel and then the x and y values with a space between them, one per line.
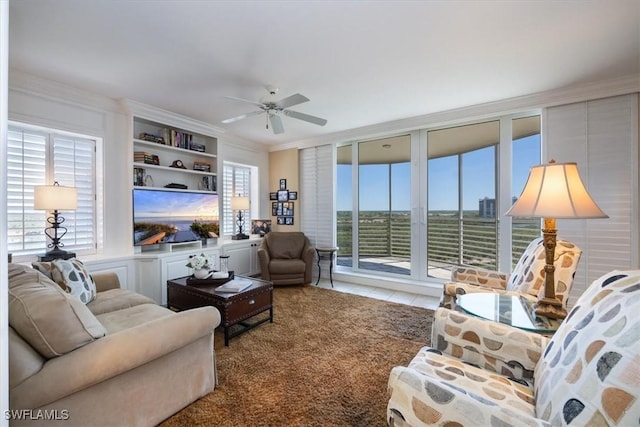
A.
pixel 324 361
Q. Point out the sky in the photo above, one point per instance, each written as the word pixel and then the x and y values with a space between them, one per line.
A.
pixel 164 204
pixel 478 180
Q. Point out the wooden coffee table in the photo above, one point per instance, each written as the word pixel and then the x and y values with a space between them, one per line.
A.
pixel 235 308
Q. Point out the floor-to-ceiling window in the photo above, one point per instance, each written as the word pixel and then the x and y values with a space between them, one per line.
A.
pixel 421 203
pixel 461 192
pixel 384 197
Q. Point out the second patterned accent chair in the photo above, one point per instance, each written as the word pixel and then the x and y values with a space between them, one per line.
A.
pixel 527 278
pixel 483 373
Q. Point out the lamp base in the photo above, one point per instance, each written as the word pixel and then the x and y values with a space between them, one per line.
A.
pixel 550 308
pixel 239 237
pixel 56 254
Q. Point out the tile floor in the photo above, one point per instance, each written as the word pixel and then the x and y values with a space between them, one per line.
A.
pixel 382 294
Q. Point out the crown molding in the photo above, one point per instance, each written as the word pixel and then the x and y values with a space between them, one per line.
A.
pixel 58 92
pixel 156 114
pixel 563 96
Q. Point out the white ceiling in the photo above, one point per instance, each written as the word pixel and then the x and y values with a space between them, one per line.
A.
pixel 359 62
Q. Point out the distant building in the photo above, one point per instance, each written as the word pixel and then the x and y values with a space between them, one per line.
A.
pixel 487 208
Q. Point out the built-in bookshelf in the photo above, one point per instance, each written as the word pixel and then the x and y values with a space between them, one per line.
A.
pixel 166 156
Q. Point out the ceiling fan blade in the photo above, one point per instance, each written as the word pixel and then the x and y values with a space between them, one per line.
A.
pixel 243 116
pixel 276 123
pixel 306 117
pixel 257 104
pixel 290 101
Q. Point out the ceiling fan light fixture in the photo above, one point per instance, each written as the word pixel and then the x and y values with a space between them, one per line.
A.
pixel 273 109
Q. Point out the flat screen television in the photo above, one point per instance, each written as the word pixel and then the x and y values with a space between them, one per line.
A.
pixel 164 216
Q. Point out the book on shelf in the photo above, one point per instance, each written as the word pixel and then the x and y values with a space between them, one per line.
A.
pixel 235 285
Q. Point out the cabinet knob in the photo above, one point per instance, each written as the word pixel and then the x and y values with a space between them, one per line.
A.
pixel 252 301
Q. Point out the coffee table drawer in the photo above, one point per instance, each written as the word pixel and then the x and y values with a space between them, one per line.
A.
pixel 246 307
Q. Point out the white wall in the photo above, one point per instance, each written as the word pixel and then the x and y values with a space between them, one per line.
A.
pixel 4 328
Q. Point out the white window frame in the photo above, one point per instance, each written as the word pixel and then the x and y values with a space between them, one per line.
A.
pixel 66 157
pixel 237 180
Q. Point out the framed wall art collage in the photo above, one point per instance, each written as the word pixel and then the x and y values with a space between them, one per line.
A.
pixel 282 204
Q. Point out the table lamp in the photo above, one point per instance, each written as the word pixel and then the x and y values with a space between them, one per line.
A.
pixel 55 198
pixel 240 204
pixel 554 190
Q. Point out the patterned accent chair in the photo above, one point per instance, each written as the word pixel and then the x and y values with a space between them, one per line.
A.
pixel 527 278
pixel 487 373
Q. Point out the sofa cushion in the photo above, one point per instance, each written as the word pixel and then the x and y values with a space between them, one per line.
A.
pixel 289 266
pixel 50 320
pixel 131 317
pixel 71 275
pixel 116 299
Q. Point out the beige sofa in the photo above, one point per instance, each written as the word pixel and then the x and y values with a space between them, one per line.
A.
pixel 118 360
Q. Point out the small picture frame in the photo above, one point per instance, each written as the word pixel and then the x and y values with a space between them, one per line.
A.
pixel 283 195
pixel 260 226
pixel 283 184
pixel 280 220
pixel 274 208
pixel 293 195
pixel 273 195
pixel 288 220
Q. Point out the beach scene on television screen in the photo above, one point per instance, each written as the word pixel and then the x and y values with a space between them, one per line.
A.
pixel 173 217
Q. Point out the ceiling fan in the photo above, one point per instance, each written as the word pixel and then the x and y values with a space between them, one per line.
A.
pixel 274 109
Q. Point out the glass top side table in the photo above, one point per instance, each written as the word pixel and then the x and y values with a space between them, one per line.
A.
pixel 512 310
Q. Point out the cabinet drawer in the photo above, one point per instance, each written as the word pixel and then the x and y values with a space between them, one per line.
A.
pixel 246 307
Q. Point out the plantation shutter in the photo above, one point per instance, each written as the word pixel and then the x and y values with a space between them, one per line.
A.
pixel 35 158
pixel 236 182
pixel 601 136
pixel 316 195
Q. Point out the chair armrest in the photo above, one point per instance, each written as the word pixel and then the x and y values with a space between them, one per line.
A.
pixel 480 277
pixel 417 399
pixel 308 255
pixel 490 345
pixel 113 355
pixel 264 258
pixel 106 280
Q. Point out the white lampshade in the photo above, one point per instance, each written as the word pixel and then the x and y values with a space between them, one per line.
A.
pixel 239 203
pixel 55 197
pixel 555 190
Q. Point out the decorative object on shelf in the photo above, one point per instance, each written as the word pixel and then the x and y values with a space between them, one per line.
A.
pixel 260 226
pixel 177 164
pixel 207 183
pixel 55 198
pixel 202 166
pixel 150 137
pixel 148 181
pixel 201 266
pixel 554 190
pixel 155 160
pixel 138 177
pixel 240 204
pixel 176 185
